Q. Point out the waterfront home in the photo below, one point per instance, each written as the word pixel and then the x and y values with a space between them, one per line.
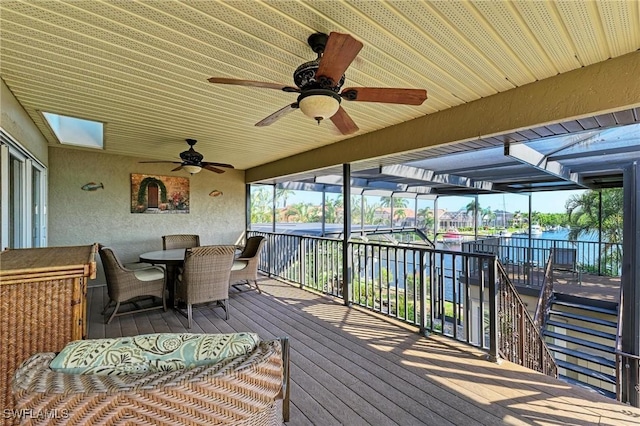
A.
pixel 521 97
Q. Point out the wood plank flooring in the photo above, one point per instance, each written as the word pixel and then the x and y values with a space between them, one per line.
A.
pixel 352 367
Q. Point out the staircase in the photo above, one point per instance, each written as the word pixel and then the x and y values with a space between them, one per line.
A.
pixel 581 334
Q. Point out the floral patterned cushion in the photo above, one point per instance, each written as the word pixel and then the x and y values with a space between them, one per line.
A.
pixel 151 353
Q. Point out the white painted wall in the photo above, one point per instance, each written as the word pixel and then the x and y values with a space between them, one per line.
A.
pixel 78 217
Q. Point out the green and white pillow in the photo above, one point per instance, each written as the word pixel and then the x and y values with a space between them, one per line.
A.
pixel 151 353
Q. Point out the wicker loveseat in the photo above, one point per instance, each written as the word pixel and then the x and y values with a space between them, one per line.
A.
pixel 251 389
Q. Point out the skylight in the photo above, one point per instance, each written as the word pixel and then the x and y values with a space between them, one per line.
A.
pixel 76 131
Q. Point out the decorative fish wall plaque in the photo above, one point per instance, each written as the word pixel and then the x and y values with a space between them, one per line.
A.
pixel 215 193
pixel 92 186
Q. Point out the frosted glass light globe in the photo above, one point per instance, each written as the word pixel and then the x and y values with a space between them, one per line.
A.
pixel 319 107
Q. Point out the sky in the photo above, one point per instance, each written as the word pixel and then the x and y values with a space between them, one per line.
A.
pixel 543 202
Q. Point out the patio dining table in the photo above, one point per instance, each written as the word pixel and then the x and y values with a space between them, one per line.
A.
pixel 173 259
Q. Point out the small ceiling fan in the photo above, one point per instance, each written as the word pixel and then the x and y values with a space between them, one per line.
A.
pixel 319 81
pixel 192 161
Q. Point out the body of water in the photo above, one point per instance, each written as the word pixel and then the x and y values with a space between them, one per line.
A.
pixel 516 249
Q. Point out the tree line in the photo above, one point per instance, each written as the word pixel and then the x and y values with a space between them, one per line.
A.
pixel 581 212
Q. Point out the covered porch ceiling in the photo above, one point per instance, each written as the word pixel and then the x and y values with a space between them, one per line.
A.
pixel 494 71
pixel 519 162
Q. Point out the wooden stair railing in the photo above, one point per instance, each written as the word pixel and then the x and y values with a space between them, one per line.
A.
pixel 519 339
pixel 546 294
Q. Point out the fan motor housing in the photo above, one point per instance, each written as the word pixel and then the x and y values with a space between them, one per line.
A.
pixel 305 78
pixel 191 156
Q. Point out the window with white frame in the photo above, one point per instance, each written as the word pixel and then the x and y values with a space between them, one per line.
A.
pixel 23 190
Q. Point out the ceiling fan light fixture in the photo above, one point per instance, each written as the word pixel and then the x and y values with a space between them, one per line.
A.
pixel 319 105
pixel 192 168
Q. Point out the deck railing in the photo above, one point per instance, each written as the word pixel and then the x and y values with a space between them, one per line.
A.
pixel 521 340
pixel 626 376
pixel 440 291
pixel 546 293
pixel 525 259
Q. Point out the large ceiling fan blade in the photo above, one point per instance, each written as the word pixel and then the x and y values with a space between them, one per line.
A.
pixel 343 122
pixel 340 51
pixel 212 169
pixel 177 168
pixel 209 163
pixel 386 95
pixel 277 115
pixel 251 83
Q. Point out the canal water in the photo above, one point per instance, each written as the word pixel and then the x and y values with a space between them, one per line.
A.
pixel 515 247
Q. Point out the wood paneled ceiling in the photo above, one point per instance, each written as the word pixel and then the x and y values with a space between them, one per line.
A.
pixel 141 67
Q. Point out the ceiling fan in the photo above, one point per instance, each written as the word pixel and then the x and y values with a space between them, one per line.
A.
pixel 319 81
pixel 192 161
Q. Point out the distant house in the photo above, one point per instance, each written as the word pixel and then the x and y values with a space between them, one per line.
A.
pixel 458 219
pixel 402 216
pixel 503 219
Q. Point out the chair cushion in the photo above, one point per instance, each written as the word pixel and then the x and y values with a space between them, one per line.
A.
pixel 149 274
pixel 239 265
pixel 151 353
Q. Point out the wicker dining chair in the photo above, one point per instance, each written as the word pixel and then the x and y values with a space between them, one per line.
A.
pixel 205 278
pixel 131 285
pixel 250 258
pixel 178 241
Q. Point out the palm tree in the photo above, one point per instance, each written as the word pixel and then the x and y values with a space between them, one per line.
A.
pixel 283 194
pixel 330 211
pixel 425 218
pixel 474 207
pixel 302 211
pixel 370 211
pixel 355 209
pixel 583 219
pixel 399 214
pixel 583 214
pixel 486 216
pixel 397 202
pixel 260 207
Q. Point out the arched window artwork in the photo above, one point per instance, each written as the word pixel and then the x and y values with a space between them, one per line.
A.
pixel 159 194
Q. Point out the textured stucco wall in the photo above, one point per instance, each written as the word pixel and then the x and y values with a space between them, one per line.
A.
pixel 79 217
pixel 15 120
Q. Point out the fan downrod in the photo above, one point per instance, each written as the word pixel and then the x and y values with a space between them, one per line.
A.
pixel 317 42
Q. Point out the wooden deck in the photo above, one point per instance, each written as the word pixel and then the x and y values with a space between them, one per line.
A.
pixel 350 367
pixel 589 286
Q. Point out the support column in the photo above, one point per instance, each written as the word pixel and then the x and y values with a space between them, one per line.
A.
pixel 475 219
pixel 599 232
pixel 324 209
pixel 362 213
pixel 346 233
pixel 529 259
pixel 630 308
pixel 272 237
pixel 436 220
pixel 391 210
pixel 247 208
pixel 273 210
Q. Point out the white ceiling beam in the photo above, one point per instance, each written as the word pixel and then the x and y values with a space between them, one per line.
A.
pixel 529 156
pixel 415 173
pixel 361 183
pixel 305 186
